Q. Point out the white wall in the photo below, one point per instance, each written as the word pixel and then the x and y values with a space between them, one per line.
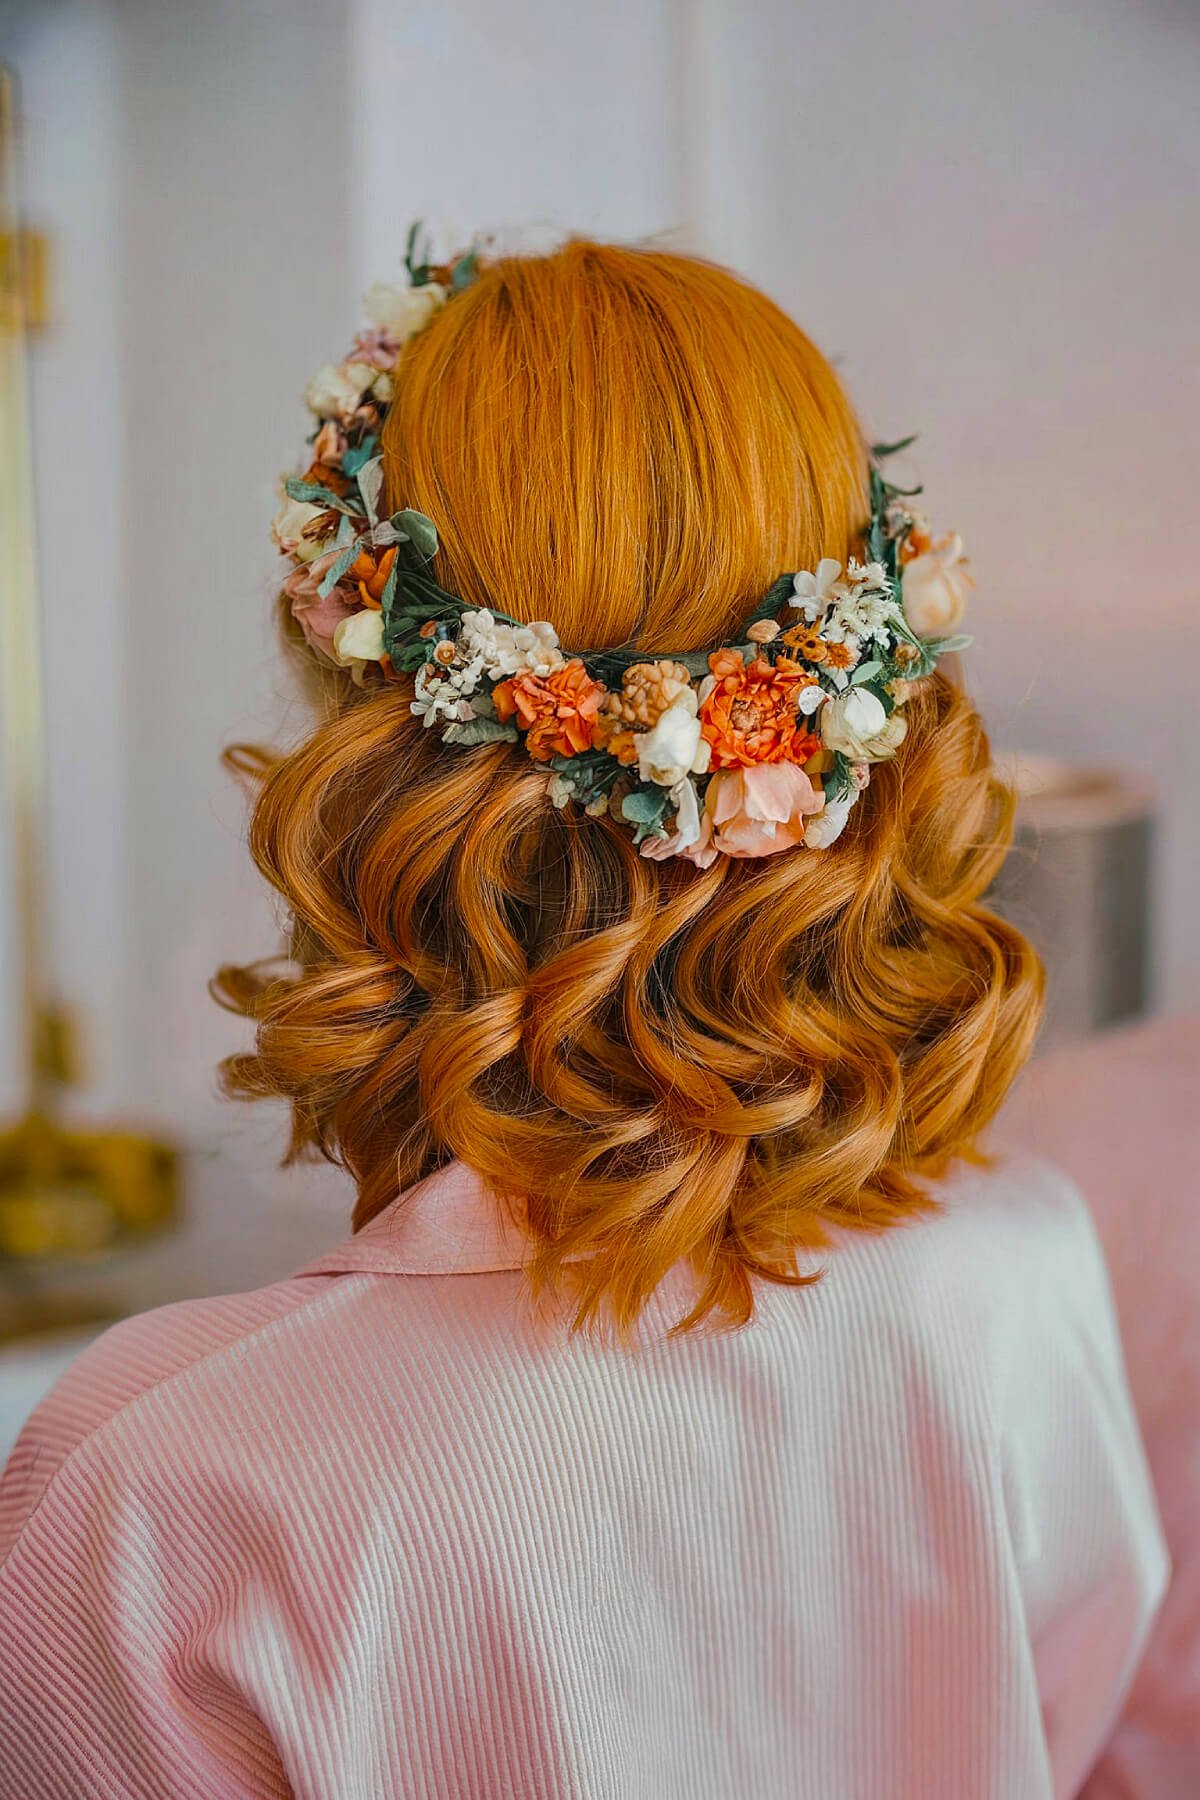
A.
pixel 987 210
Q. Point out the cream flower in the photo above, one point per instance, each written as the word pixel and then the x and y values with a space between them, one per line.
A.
pixel 290 529
pixel 829 825
pixel 436 696
pixel 358 640
pixel 936 585
pixel 336 389
pixel 857 725
pixel 505 650
pixel 402 311
pixel 674 748
pixel 814 592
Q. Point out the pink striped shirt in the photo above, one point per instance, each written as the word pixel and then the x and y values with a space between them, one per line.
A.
pixel 380 1531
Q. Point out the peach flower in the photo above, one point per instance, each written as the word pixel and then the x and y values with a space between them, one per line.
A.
pixel 318 617
pixel 936 585
pixel 748 714
pixel 760 810
pixel 557 712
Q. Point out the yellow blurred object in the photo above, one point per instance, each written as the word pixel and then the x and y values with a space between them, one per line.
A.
pixel 68 1192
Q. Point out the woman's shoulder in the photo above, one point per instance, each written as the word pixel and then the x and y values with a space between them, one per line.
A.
pixel 130 1361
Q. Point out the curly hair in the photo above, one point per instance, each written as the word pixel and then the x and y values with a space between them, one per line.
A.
pixel 649 1062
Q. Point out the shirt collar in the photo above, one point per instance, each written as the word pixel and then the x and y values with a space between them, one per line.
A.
pixel 448 1224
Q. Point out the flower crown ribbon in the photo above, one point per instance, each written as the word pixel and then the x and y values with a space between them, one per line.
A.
pixel 760 745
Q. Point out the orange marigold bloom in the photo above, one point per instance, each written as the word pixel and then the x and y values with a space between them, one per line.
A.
pixel 750 715
pixel 557 712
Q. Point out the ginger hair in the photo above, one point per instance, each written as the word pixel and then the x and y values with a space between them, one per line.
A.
pixel 649 1062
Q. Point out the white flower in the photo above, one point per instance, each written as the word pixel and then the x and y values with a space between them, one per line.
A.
pixel 866 575
pixel 862 613
pixel 857 725
pixel 336 389
pixel 811 700
pixel 935 588
pixel 402 311
pixel 813 592
pixel 358 640
pixel 290 530
pixel 673 748
pixel 436 696
pixel 828 825
pixel 505 650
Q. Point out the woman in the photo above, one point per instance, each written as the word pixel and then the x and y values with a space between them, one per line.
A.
pixel 692 1412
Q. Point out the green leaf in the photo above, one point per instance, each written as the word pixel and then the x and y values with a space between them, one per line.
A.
pixel 420 532
pixel 880 452
pixel 646 808
pixel 337 569
pixel 866 672
pixel 316 494
pixel 464 271
pixel 776 596
pixel 947 646
pixel 839 781
pixel 353 460
pixel 479 731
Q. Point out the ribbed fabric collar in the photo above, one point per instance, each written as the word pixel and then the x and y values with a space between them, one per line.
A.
pixel 448 1224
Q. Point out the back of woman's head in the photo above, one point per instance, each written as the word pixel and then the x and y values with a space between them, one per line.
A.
pixel 650 1061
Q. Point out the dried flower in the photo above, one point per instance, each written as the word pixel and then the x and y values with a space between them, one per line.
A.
pixel 647 690
pixel 371 574
pixel 557 712
pixel 763 631
pixel 761 810
pixel 857 725
pixel 402 311
pixel 936 585
pixel 749 715
pixel 808 642
pixel 358 640
pixel 674 747
pixel 812 593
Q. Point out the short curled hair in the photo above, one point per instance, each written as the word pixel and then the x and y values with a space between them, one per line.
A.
pixel 650 1062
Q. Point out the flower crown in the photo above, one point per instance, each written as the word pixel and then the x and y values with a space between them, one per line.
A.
pixel 764 743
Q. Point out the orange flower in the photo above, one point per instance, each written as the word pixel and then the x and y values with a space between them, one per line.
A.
pixel 840 656
pixel 557 712
pixel 615 737
pixel 371 573
pixel 750 715
pixel 809 643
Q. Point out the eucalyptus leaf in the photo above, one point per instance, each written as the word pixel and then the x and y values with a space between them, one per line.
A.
pixel 316 494
pixel 947 646
pixel 479 731
pixel 337 569
pixel 370 486
pixel 646 808
pixel 420 532
pixel 866 672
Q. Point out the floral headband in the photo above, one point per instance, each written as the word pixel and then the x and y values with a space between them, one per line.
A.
pixel 757 746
